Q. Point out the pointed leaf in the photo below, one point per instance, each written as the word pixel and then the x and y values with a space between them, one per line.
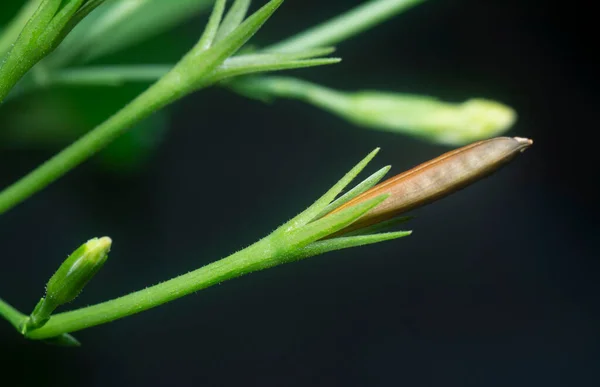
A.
pixel 331 224
pixel 376 228
pixel 321 247
pixel 311 212
pixel 120 24
pixel 198 62
pixel 354 192
pixel 231 71
pixel 64 340
pixel 346 25
pixel 233 19
pixel 212 26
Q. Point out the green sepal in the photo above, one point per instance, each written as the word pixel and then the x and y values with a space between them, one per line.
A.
pixel 381 226
pixel 324 246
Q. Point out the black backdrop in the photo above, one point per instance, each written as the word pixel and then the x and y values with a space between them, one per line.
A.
pixel 497 285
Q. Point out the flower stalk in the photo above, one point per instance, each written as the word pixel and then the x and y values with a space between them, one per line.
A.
pixel 357 219
pixel 197 69
pixel 296 239
pixel 419 116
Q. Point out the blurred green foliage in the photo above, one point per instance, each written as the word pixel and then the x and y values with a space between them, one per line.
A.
pixel 52 119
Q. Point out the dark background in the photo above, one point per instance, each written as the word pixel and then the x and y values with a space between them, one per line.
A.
pixel 497 286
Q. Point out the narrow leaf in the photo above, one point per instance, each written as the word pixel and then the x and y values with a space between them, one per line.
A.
pixel 311 212
pixel 212 26
pixel 198 62
pixel 81 13
pixel 286 56
pixel 325 246
pixel 56 28
pixel 237 65
pixel 346 25
pixel 121 24
pixel 354 192
pixel 10 32
pixel 233 19
pixel 234 71
pixel 376 228
pixel 63 340
pixel 326 226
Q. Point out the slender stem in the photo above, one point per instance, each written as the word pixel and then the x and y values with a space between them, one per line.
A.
pixel 281 246
pixel 254 257
pixel 346 25
pixel 285 244
pixel 190 74
pixel 10 314
pixel 294 88
pixel 141 107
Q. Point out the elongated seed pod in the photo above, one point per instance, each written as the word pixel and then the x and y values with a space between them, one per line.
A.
pixel 437 178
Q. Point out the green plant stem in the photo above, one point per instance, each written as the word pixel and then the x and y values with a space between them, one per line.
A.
pixel 242 262
pixel 294 240
pixel 141 107
pixel 267 88
pixel 344 26
pixel 283 245
pixel 191 73
pixel 10 314
pixel 118 75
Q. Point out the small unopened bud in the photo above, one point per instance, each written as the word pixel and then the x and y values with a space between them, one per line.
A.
pixel 428 118
pixel 70 279
pixel 75 272
pixel 436 179
pixel 419 116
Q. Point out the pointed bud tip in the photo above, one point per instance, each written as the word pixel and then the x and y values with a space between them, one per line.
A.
pixel 524 142
pixel 97 249
pixel 98 245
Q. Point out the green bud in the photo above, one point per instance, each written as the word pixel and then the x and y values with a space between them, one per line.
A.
pixel 75 272
pixel 419 116
pixel 69 280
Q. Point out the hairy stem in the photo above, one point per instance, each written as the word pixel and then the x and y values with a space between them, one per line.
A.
pixel 250 259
